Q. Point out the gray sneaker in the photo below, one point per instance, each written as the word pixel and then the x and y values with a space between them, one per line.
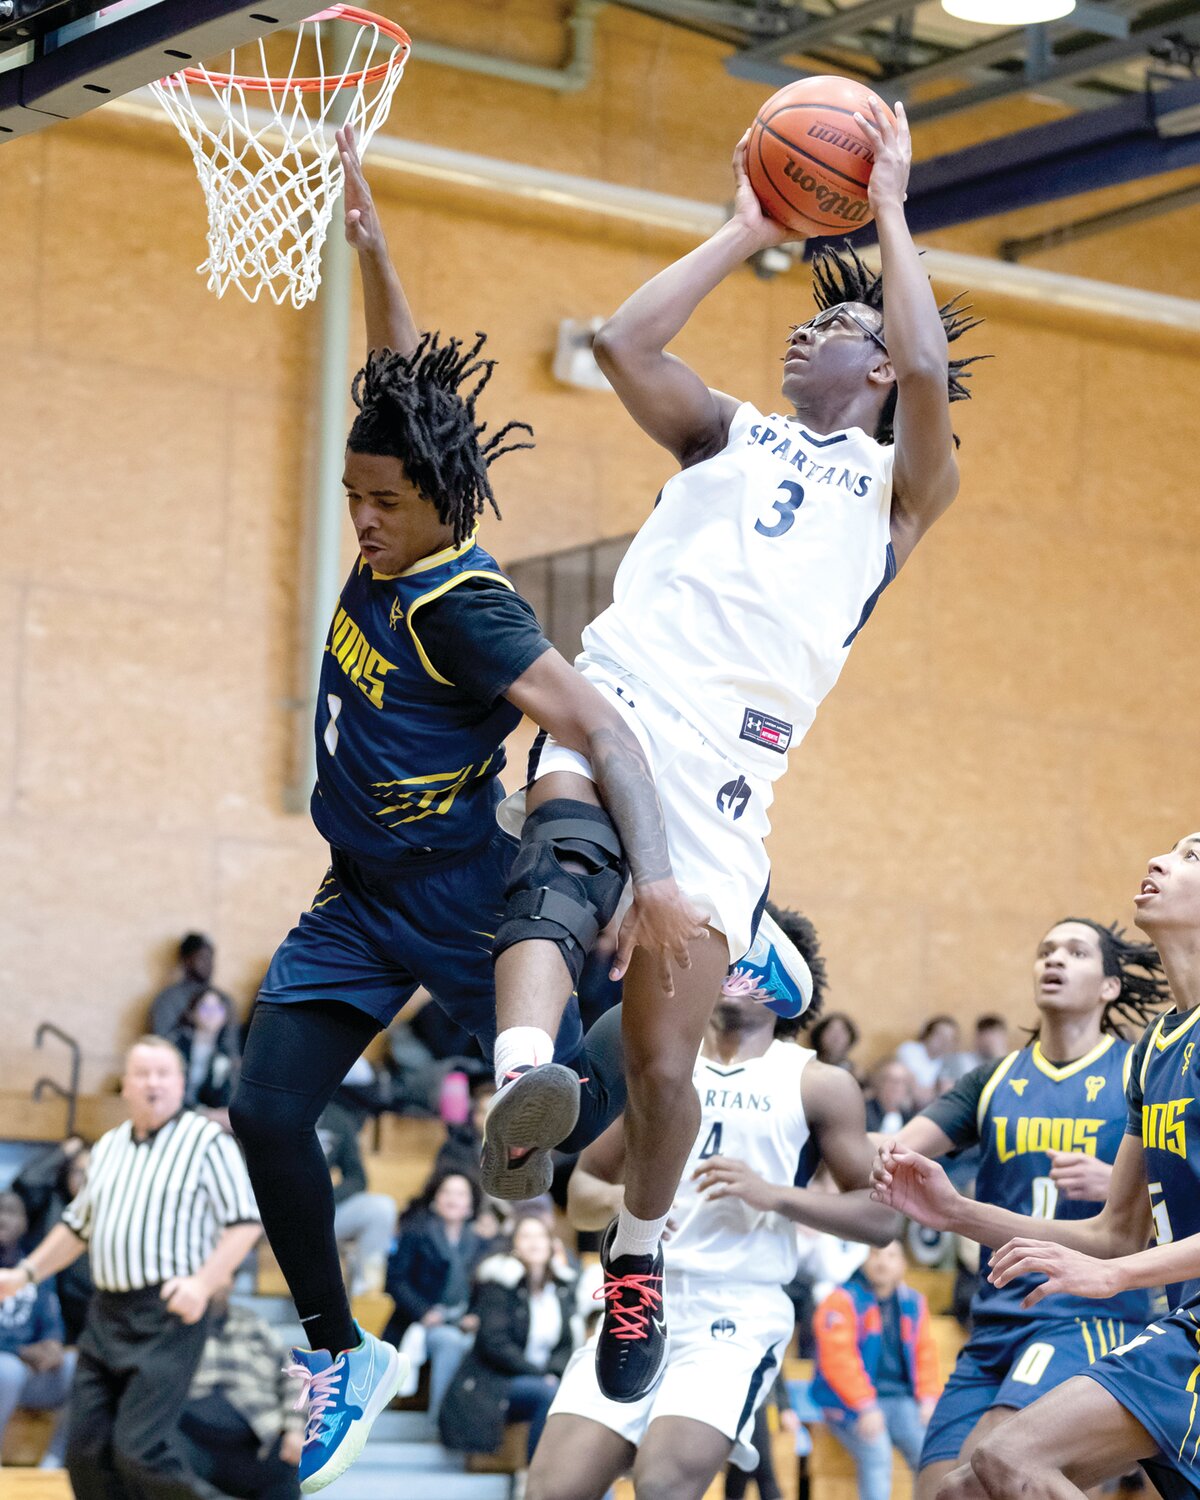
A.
pixel 536 1108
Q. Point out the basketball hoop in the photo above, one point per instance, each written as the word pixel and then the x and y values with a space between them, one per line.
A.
pixel 271 172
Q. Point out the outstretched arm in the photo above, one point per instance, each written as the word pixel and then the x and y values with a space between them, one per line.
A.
pixel 389 321
pixel 664 397
pixel 561 701
pixel 925 477
pixel 915 1186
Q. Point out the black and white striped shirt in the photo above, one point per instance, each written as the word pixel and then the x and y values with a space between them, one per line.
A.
pixel 155 1208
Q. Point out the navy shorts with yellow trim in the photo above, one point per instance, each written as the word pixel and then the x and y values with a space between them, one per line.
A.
pixel 1156 1378
pixel 372 936
pixel 1011 1362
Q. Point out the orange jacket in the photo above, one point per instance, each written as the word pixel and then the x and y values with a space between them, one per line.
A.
pixel 849 1333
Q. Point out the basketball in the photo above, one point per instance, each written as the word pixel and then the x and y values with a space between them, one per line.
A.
pixel 808 159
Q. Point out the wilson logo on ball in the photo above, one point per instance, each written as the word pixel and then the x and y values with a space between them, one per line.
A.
pixel 836 205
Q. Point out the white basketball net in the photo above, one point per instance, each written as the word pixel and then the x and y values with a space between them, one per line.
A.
pixel 270 170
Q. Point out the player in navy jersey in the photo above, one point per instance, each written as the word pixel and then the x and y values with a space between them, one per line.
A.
pixel 1049 1118
pixel 1139 1402
pixel 431 659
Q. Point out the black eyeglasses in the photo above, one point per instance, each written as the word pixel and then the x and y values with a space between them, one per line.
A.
pixel 840 310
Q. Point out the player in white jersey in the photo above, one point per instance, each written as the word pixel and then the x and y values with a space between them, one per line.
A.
pixel 734 610
pixel 769 1113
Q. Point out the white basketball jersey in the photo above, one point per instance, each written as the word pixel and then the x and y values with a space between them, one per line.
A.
pixel 739 598
pixel 753 1111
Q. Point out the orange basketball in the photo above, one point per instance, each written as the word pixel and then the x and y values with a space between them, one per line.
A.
pixel 809 162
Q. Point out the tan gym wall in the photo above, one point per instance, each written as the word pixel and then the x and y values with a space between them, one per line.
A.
pixel 1017 729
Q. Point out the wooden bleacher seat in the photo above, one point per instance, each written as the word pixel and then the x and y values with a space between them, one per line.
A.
pixel 372 1310
pixel 936 1284
pixel 26 1438
pixel 34 1484
pixel 407 1150
pixel 509 1458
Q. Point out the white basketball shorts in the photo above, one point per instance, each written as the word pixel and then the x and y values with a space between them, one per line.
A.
pixel 726 1349
pixel 715 810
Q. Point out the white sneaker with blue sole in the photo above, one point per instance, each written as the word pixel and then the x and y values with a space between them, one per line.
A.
pixel 342 1396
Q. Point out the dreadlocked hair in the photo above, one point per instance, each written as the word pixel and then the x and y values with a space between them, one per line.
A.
pixel 801 932
pixel 420 408
pixel 1137 965
pixel 842 276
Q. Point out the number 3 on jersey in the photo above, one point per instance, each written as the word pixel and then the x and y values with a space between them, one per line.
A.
pixel 786 509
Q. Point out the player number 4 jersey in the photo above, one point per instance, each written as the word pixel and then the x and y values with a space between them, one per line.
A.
pixel 740 597
pixel 752 1111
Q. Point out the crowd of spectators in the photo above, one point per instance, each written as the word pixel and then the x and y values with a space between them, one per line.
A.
pixel 485 1299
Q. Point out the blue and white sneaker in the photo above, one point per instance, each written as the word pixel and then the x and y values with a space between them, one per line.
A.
pixel 342 1397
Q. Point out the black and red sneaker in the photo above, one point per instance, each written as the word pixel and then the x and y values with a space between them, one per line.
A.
pixel 535 1109
pixel 631 1353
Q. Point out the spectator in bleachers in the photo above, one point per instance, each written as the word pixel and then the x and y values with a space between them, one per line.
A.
pixel 46 1185
pixel 208 1040
pixel 876 1378
pixel 991 1044
pixel 527 1332
pixel 833 1039
pixel 925 1055
pixel 241 1431
pixel 364 1223
pixel 35 1369
pixel 42 1187
pixel 430 1274
pixel 459 1152
pixel 891 1100
pixel 424 1044
pixel 196 958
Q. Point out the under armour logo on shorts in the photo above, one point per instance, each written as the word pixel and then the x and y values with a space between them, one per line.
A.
pixel 734 797
pixel 723 1328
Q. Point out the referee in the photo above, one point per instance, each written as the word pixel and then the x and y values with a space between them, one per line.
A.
pixel 168 1216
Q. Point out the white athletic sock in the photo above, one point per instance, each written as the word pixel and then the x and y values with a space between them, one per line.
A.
pixel 636 1236
pixel 520 1046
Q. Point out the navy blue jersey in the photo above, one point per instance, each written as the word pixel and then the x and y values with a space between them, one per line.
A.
pixel 1164 1113
pixel 408 746
pixel 1025 1107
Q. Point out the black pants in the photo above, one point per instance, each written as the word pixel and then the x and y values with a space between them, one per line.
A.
pixel 223 1449
pixel 737 1481
pixel 295 1057
pixel 136 1362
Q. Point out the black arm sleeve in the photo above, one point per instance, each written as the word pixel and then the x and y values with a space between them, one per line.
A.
pixel 956 1113
pixel 480 636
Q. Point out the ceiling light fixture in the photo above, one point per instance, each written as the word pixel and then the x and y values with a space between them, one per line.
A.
pixel 1008 12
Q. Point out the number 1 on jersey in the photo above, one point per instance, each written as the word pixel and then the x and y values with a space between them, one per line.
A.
pixel 786 508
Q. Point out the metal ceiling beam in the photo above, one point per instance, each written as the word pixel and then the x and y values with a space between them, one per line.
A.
pixel 1078 154
pixel 818 28
pixel 1116 218
pixel 1063 69
pixel 1085 17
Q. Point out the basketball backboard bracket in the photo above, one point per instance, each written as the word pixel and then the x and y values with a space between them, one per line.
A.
pixel 126 48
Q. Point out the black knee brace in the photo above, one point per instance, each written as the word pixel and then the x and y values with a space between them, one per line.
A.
pixel 548 899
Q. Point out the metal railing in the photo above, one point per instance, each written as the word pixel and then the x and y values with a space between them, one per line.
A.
pixel 44 1084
